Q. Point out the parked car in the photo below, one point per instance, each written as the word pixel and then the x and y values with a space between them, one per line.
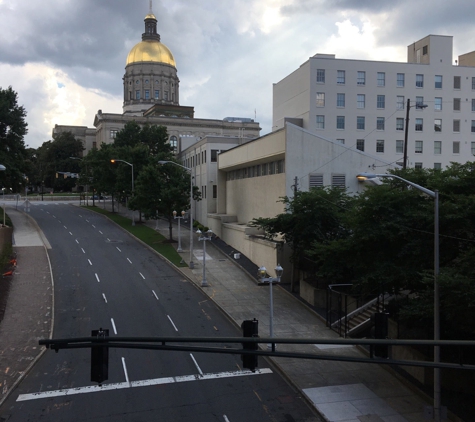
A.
pixel 99 197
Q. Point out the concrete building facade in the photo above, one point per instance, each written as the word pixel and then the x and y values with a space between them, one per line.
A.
pixel 364 104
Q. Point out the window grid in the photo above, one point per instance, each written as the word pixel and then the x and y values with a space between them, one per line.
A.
pixel 340 122
pixel 399 123
pixel 456 104
pixel 438 125
pixel 340 100
pixel 320 99
pixel 456 126
pixel 379 123
pixel 419 125
pixel 381 101
pixel 380 145
pixel 456 82
pixel 438 81
pixel 360 144
pixel 437 147
pixel 419 81
pixel 361 78
pixel 400 102
pixel 360 101
pixel 456 147
pixel 418 147
pixel 360 123
pixel 400 80
pixel 472 126
pixel 399 146
pixel 340 77
pixel 321 76
pixel 381 79
pixel 315 181
pixel 320 122
pixel 438 103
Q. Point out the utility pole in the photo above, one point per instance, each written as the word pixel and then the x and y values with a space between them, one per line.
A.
pixel 295 273
pixel 404 164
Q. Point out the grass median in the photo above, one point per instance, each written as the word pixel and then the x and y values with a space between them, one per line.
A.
pixel 146 234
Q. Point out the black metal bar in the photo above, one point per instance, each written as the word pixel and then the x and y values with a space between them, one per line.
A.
pixel 269 353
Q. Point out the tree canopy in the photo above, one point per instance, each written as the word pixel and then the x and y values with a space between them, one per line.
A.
pixel 13 128
pixel 383 237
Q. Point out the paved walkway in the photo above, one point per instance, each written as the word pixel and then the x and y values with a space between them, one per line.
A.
pixel 340 391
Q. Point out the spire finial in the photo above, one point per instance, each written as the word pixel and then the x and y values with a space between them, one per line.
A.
pixel 151 7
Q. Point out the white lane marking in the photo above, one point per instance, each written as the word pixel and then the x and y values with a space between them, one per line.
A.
pixel 104 296
pixel 70 233
pixel 77 241
pixel 97 278
pixel 47 212
pixel 129 260
pixel 174 326
pixel 100 232
pixel 80 215
pixel 135 384
pixel 87 220
pixel 90 263
pixel 108 240
pixel 118 249
pixel 196 364
pixel 93 226
pixel 65 227
pixel 83 251
pixel 225 418
pixel 125 371
pixel 156 297
pixel 142 275
pixel 113 326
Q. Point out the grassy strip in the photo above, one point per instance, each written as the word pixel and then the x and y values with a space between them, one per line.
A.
pixel 146 234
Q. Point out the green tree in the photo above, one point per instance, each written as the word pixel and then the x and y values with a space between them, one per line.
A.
pixel 13 128
pixel 154 137
pixel 54 156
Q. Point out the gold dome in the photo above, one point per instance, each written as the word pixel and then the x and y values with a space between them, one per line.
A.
pixel 151 51
pixel 150 16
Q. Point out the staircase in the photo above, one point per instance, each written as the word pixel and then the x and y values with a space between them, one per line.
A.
pixel 359 321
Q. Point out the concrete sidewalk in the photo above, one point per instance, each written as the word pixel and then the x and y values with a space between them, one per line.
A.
pixel 340 391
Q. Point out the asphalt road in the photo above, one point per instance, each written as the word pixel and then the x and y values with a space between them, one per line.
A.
pixel 104 278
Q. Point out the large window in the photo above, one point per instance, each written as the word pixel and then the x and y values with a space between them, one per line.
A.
pixel 456 126
pixel 418 148
pixel 157 94
pixel 399 123
pixel 473 82
pixel 360 144
pixel 456 82
pixel 137 95
pixel 215 191
pixel 419 81
pixel 340 100
pixel 473 126
pixel 419 125
pixel 173 143
pixel 360 101
pixel 380 123
pixel 315 181
pixel 320 99
pixel 320 122
pixel 214 155
pixel 417 165
pixel 437 147
pixel 438 125
pixel 381 101
pixel 400 80
pixel 399 146
pixel 380 145
pixel 321 76
pixel 438 103
pixel 360 123
pixel 113 133
pixel 456 147
pixel 400 102
pixel 381 79
pixel 419 103
pixel 361 78
pixel 340 122
pixel 473 104
pixel 438 81
pixel 456 104
pixel 472 148
pixel 340 77
pixel 147 94
pixel 437 166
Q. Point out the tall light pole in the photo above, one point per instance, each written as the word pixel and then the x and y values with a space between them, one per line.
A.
pixel 131 165
pixel 87 180
pixel 191 265
pixel 179 249
pixel 406 129
pixel 206 236
pixel 3 168
pixel 262 272
pixel 434 194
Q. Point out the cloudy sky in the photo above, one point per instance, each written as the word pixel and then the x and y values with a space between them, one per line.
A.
pixel 66 58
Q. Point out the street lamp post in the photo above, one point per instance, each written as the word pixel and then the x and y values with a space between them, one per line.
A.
pixel 261 272
pixel 434 194
pixel 87 180
pixel 191 265
pixel 179 249
pixel 204 238
pixel 131 165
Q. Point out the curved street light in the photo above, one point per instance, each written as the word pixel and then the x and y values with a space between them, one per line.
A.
pixel 114 160
pixel 161 162
pixel 434 194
